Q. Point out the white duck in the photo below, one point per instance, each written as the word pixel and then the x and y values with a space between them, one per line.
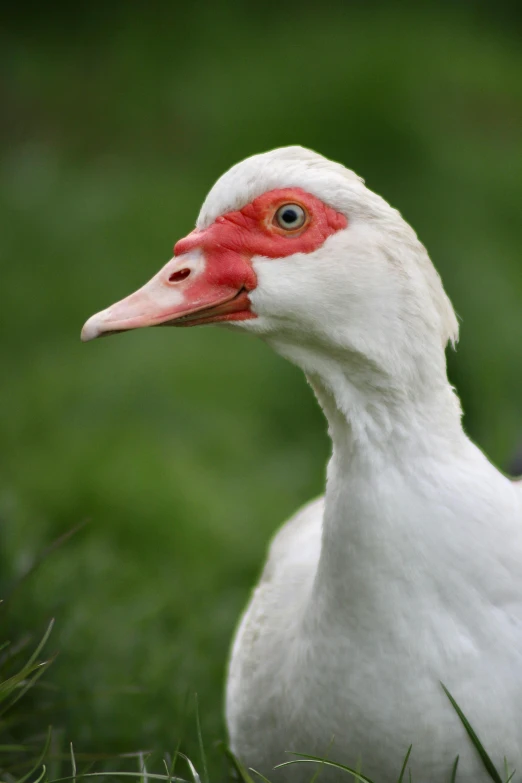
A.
pixel 409 571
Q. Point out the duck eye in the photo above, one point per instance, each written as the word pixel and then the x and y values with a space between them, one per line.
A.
pixel 290 217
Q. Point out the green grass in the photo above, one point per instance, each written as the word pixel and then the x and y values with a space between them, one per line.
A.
pixel 186 450
pixel 18 764
pixel 20 754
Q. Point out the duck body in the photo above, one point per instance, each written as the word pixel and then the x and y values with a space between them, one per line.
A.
pixel 325 666
pixel 408 573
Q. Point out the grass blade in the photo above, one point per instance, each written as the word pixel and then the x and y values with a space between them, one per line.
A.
pixel 42 644
pixel 509 777
pixel 41 775
pixel 404 764
pixel 486 760
pixel 454 770
pixel 237 765
pixel 150 775
pixel 260 776
pixel 193 770
pixel 40 760
pixel 306 759
pixel 20 679
pixel 319 768
pixel 171 763
pixel 142 762
pixel 73 764
pixel 200 742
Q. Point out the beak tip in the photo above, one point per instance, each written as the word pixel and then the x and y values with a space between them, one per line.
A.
pixel 91 329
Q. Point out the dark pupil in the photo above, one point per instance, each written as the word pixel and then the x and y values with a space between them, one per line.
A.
pixel 289 216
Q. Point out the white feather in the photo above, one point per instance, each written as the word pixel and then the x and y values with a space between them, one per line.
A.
pixel 409 572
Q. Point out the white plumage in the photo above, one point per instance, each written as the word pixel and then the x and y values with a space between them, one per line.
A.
pixel 409 571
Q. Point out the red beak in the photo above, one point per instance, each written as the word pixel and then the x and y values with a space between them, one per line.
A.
pixel 193 288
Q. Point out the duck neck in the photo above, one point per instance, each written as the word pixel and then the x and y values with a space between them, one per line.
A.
pixel 389 444
pixel 371 422
pixel 381 407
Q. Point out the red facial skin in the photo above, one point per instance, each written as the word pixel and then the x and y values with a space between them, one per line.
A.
pixel 219 289
pixel 233 239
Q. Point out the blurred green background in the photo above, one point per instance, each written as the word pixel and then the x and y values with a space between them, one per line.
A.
pixel 186 449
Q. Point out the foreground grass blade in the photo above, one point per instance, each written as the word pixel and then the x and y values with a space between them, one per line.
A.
pixel 404 765
pixel 150 776
pixel 509 776
pixel 73 763
pixel 486 760
pixel 42 644
pixel 453 777
pixel 319 768
pixel 142 762
pixel 259 775
pixel 170 764
pixel 200 742
pixel 41 775
pixel 18 685
pixel 192 768
pixel 40 760
pixel 306 759
pixel 244 776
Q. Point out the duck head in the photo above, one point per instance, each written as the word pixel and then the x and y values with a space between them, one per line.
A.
pixel 293 247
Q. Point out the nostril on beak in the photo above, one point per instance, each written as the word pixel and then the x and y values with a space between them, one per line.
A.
pixel 181 274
